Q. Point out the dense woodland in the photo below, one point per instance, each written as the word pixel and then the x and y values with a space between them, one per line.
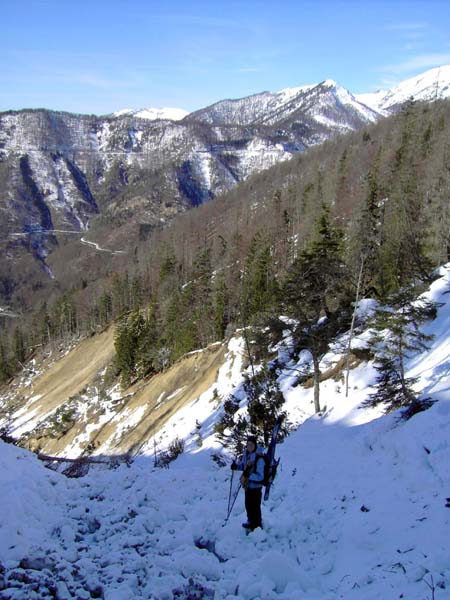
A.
pixel 366 213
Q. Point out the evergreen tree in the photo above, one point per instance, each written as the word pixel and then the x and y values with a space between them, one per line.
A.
pixel 221 300
pixel 130 330
pixel 63 316
pixel 200 295
pixel 403 250
pixel 366 242
pixel 148 351
pixel 315 293
pixel 19 346
pixel 397 337
pixel 180 333
pixel 120 294
pixel 41 327
pixel 260 288
pixel 104 307
pixel 167 276
pixel 231 429
pixel 265 402
pixel 136 292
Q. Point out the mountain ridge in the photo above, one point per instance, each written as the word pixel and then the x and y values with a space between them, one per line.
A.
pixel 431 85
pixel 80 165
pixel 382 101
pixel 121 178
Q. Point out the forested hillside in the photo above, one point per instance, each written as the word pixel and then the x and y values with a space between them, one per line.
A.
pixel 367 213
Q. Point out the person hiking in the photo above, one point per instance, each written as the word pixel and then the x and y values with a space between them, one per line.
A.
pixel 252 465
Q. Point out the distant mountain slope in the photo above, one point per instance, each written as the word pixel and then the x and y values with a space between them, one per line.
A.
pixel 59 170
pixel 62 174
pixel 154 114
pixel 327 103
pixel 431 85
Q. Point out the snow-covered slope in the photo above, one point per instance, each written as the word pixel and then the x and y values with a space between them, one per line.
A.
pixel 327 103
pixel 357 510
pixel 431 85
pixel 154 114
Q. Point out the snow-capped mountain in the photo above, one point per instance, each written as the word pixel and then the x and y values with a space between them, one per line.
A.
pixel 317 102
pixel 154 114
pixel 357 510
pixel 142 167
pixel 431 85
pixel 65 168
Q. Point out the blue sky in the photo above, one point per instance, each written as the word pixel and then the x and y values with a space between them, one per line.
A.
pixel 98 56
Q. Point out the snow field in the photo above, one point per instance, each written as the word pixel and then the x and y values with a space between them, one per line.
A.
pixel 357 510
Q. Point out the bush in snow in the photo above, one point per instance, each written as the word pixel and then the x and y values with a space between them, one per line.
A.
pixel 176 447
pixel 265 401
pixel 5 435
pixel 231 430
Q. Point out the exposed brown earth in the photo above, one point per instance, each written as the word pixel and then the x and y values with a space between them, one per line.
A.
pixel 190 377
pixel 69 375
pixel 117 427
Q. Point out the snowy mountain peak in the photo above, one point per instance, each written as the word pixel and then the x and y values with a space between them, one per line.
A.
pixel 287 94
pixel 154 114
pixel 330 83
pixel 434 84
pixel 328 104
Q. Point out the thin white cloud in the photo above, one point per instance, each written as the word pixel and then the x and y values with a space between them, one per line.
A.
pixel 423 61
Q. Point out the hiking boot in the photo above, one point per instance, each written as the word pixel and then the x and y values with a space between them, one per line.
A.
pixel 246 525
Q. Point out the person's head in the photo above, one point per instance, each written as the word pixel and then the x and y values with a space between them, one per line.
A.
pixel 251 443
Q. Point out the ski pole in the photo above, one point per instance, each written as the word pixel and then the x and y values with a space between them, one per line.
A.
pixel 232 504
pixel 229 494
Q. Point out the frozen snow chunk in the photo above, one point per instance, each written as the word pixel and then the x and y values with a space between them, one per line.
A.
pixel 62 591
pixel 200 562
pixel 258 535
pixel 279 568
pixel 252 588
pixel 366 308
pixel 67 534
pixel 124 592
pixel 37 563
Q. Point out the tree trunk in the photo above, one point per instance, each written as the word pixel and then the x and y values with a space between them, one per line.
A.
pixel 408 396
pixel 316 384
pixel 349 348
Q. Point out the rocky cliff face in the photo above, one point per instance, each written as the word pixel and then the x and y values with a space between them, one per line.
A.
pixel 58 170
